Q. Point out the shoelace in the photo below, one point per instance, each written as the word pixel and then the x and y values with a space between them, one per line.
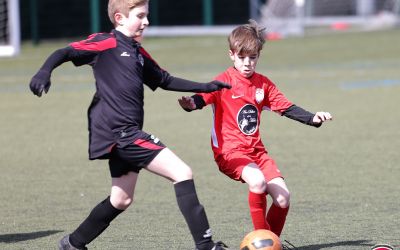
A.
pixel 288 246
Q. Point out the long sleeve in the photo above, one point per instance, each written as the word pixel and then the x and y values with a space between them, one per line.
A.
pixel 298 114
pixel 183 85
pixel 57 58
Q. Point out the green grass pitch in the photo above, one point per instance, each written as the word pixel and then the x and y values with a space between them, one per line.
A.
pixel 343 177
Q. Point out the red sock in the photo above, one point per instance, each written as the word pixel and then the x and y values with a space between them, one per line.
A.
pixel 258 207
pixel 276 218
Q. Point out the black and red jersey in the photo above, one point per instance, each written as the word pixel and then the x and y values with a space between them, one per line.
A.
pixel 121 67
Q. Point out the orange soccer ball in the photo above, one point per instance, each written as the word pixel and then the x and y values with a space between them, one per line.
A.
pixel 261 240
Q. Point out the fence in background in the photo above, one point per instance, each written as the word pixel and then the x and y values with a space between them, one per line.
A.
pixel 48 19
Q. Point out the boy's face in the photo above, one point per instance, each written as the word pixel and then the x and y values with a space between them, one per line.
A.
pixel 133 24
pixel 245 64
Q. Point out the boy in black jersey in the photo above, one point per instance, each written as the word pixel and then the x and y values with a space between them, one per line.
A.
pixel 121 67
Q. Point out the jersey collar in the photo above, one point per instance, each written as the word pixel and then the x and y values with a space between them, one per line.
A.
pixel 125 38
pixel 233 72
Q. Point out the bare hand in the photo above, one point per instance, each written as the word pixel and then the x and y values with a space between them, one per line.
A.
pixel 322 116
pixel 187 103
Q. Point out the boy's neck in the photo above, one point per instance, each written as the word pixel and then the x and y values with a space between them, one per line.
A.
pixel 120 29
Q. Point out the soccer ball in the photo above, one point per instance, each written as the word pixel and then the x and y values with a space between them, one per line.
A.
pixel 261 240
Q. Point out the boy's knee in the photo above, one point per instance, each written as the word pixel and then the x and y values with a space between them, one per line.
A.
pixel 283 201
pixel 257 186
pixel 121 203
pixel 183 175
pixel 188 174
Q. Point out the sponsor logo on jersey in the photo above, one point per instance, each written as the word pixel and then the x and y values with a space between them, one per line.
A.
pixel 259 95
pixel 236 96
pixel 247 119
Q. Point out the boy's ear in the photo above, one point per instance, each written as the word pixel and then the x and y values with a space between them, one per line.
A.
pixel 119 18
pixel 232 55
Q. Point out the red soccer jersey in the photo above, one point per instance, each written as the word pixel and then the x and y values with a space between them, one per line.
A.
pixel 236 111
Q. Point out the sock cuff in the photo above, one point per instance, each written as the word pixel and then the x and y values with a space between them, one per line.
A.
pixel 278 207
pixel 108 205
pixel 109 211
pixel 185 187
pixel 257 200
pixel 256 196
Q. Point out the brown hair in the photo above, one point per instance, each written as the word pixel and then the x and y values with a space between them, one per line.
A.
pixel 247 38
pixel 122 6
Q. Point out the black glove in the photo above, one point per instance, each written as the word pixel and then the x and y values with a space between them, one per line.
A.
pixel 40 82
pixel 216 85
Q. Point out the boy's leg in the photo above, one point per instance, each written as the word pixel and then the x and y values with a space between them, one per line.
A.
pixel 97 221
pixel 101 216
pixel 194 214
pixel 276 218
pixel 252 175
pixel 258 207
pixel 168 165
pixel 278 211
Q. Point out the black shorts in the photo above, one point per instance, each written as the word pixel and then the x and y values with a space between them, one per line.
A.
pixel 135 156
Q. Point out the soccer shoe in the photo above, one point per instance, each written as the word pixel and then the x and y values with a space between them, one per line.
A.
pixel 64 244
pixel 220 246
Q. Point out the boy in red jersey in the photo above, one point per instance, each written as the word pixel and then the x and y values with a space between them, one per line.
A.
pixel 121 68
pixel 235 138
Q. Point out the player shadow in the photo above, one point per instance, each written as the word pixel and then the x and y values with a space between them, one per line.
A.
pixel 17 237
pixel 336 244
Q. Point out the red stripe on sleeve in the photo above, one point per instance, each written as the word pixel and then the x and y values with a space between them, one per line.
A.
pixel 147 55
pixel 96 42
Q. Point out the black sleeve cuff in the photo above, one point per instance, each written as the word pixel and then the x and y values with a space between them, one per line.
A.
pixel 198 101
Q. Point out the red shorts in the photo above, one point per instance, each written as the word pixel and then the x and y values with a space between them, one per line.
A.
pixel 232 164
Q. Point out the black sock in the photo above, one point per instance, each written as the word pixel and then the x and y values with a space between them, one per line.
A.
pixel 194 214
pixel 97 221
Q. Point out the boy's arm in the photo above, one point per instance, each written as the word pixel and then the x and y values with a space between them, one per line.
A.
pixel 298 114
pixel 189 103
pixel 155 77
pixel 41 80
pixel 183 85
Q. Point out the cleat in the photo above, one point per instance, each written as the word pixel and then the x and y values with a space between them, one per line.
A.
pixel 64 244
pixel 220 246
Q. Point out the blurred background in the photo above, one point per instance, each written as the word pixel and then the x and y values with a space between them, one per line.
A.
pixel 37 20
pixel 341 56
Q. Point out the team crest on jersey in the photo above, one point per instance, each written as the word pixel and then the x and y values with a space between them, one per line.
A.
pixel 247 119
pixel 259 95
pixel 141 60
